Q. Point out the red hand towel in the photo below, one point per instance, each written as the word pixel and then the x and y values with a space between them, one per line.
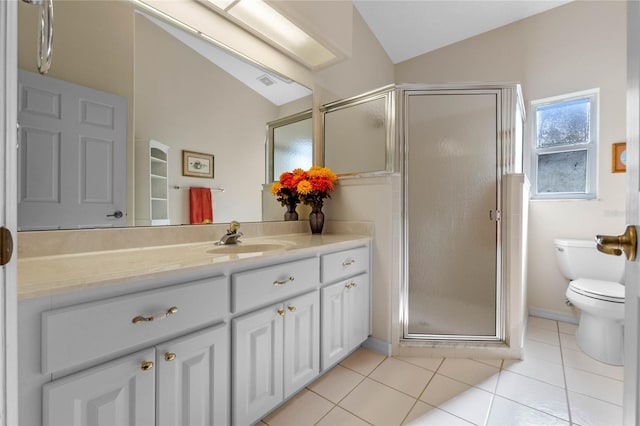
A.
pixel 201 207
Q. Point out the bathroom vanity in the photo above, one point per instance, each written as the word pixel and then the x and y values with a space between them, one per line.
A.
pixel 216 337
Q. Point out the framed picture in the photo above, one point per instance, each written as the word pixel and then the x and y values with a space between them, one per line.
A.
pixel 197 164
pixel 619 157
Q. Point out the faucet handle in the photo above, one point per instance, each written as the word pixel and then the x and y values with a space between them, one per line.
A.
pixel 233 227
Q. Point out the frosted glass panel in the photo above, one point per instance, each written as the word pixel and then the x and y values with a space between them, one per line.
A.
pixel 563 123
pixel 292 147
pixel 451 190
pixel 355 138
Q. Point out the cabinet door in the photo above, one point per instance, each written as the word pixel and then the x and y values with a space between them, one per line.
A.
pixel 193 379
pixel 120 393
pixel 358 307
pixel 301 341
pixel 257 371
pixel 334 324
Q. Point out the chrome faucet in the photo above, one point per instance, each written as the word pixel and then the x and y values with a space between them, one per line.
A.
pixel 232 235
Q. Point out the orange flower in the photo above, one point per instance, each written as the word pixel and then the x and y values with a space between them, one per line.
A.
pixel 304 187
pixel 276 187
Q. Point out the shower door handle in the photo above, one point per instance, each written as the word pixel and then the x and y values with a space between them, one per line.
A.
pixel 616 245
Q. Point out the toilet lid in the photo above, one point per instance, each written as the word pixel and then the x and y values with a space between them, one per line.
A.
pixel 603 290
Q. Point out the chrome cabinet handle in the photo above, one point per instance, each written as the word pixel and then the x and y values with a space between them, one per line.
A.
pixel 348 262
pixel 283 282
pixel 172 310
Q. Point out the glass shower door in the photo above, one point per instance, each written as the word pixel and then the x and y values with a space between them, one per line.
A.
pixel 452 158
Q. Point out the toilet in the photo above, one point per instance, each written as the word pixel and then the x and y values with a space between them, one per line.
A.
pixel 596 288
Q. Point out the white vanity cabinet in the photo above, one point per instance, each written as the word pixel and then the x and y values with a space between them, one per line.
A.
pixel 345 304
pixel 183 381
pixel 226 344
pixel 276 353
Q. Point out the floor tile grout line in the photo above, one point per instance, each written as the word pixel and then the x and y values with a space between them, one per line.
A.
pixel 564 376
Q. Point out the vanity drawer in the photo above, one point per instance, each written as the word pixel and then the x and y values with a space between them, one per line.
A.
pixel 344 263
pixel 90 331
pixel 261 286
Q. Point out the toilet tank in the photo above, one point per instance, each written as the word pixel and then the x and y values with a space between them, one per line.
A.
pixel 581 259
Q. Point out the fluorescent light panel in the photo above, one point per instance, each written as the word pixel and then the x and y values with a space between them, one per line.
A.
pixel 262 18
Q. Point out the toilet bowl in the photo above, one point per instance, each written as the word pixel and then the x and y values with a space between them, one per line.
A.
pixel 596 289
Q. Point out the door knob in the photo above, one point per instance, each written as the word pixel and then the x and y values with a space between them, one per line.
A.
pixel 117 214
pixel 615 245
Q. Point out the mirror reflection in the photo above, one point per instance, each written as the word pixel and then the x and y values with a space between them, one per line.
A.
pixel 181 92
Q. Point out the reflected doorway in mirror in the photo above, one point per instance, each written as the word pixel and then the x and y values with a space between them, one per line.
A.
pixel 196 164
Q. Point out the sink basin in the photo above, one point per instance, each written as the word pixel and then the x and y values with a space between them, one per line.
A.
pixel 245 248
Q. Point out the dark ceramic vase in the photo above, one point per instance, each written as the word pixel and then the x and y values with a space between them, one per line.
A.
pixel 291 213
pixel 316 218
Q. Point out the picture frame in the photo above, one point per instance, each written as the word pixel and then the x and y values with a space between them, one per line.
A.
pixel 619 157
pixel 197 164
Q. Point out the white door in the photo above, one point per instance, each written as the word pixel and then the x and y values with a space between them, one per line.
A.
pixel 72 157
pixel 358 309
pixel 193 379
pixel 335 340
pixel 8 281
pixel 301 341
pixel 257 368
pixel 631 400
pixel 120 392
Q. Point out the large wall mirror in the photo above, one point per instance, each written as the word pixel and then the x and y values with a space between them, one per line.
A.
pixel 180 90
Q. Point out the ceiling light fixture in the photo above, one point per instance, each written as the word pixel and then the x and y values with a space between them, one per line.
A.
pixel 263 20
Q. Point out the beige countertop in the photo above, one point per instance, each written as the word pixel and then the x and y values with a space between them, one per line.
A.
pixel 56 274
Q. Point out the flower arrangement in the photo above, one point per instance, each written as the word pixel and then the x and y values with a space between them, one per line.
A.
pixel 317 184
pixel 310 187
pixel 286 188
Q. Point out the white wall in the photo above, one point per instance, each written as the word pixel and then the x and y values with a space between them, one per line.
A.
pixel 581 45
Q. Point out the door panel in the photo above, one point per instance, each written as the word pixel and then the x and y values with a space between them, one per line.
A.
pixel 335 340
pixel 72 165
pixel 116 393
pixel 193 379
pixel 257 371
pixel 451 199
pixel 301 341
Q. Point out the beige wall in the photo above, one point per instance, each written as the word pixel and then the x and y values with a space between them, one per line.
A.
pixel 188 103
pixel 578 46
pixel 369 199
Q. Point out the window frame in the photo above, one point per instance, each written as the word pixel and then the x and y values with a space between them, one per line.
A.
pixel 591 181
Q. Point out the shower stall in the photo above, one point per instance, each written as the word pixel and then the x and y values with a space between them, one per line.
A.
pixel 456 150
pixel 457 144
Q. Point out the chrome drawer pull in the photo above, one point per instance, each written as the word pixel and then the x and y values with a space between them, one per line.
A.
pixel 283 282
pixel 351 285
pixel 172 310
pixel 348 262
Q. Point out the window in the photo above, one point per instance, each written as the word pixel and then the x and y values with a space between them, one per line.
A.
pixel 565 146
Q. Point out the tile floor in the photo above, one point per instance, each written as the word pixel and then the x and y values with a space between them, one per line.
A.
pixel 556 384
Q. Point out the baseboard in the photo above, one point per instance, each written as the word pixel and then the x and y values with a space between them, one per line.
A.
pixel 377 345
pixel 553 315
